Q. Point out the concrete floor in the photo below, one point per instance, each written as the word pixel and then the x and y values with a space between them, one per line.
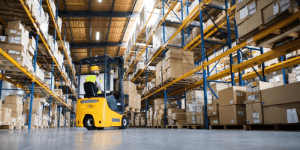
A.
pixel 141 138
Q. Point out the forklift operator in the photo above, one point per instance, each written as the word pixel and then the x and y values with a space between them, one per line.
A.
pixel 93 77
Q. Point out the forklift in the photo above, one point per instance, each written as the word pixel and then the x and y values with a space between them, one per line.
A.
pixel 99 111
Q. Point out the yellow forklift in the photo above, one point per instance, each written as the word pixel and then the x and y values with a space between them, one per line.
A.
pixel 98 111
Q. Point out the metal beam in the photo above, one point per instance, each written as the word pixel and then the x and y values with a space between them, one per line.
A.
pixel 100 44
pixel 97 14
pixel 127 23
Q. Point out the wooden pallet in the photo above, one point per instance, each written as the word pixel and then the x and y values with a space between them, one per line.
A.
pixel 10 127
pixel 276 127
pixel 149 126
pixel 195 126
pixel 226 127
pixel 159 127
pixel 176 126
pixel 131 109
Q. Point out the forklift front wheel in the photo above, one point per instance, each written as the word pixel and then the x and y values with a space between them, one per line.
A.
pixel 124 122
pixel 89 123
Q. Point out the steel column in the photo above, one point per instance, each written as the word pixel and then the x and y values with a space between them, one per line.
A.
pixel 283 71
pixel 263 65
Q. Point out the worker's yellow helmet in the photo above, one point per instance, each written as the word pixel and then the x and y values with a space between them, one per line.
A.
pixel 94 68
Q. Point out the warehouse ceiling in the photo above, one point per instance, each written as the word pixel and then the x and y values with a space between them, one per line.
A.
pixel 113 19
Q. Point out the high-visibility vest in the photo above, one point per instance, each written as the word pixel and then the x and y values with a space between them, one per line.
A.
pixel 93 78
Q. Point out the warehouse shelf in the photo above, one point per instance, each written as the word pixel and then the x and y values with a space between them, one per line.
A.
pixel 46 45
pixel 179 86
pixel 60 38
pixel 31 78
pixel 243 44
pixel 149 41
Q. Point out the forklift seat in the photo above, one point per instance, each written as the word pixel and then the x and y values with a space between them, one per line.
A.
pixel 90 90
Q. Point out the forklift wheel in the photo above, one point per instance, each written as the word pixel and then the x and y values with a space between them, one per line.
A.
pixel 124 123
pixel 89 123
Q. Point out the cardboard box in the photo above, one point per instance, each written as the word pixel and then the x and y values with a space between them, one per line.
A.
pixel 200 119
pixel 212 109
pixel 3 39
pixel 179 122
pixel 258 85
pixel 15 108
pixel 6 116
pixel 0 104
pixel 129 87
pixel 173 53
pixel 13 100
pixel 241 3
pixel 37 106
pixel 263 3
pixel 276 8
pixel 282 114
pixel 283 94
pixel 173 71
pixel 214 120
pixel 174 110
pixel 251 24
pixel 246 12
pixel 178 116
pixel 232 115
pixel 197 94
pixel 158 74
pixel 172 62
pixel 254 113
pixel 253 97
pixel 232 95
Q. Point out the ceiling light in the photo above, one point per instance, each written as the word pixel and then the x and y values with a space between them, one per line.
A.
pixel 100 1
pixel 97 35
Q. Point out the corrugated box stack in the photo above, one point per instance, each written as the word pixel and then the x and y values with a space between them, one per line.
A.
pixel 281 104
pixel 232 106
pixel 176 63
pixel 176 116
pixel 53 115
pixel 150 116
pixel 134 100
pixel 251 14
pixel 194 106
pixel 37 111
pixel 294 76
pixel 158 116
pixel 137 120
pixel 17 46
pixel 15 104
pixel 253 96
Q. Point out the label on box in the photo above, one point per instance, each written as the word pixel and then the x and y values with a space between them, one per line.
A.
pixel 241 113
pixel 255 120
pixel 244 12
pixel 231 101
pixel 275 9
pixel 214 112
pixel 215 121
pixel 276 79
pixel 252 9
pixel 239 1
pixel 255 115
pixel 292 116
pixel 2 38
pixel 284 5
pixel 210 108
pixel 298 78
pixel 239 93
pixel 232 121
pixel 12 31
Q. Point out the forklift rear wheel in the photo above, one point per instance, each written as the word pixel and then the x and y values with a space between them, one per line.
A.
pixel 89 123
pixel 124 122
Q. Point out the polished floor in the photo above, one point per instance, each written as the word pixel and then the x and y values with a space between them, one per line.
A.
pixel 146 139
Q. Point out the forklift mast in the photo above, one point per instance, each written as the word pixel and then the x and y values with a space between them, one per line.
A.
pixel 106 62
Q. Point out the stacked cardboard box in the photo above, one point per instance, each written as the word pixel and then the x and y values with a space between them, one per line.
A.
pixel 132 119
pixel 176 116
pixel 213 113
pixel 37 110
pixel 143 119
pixel 251 14
pixel 158 116
pixel 15 104
pixel 137 120
pixel 216 87
pixel 194 106
pixel 253 96
pixel 5 115
pixel 67 119
pixel 281 104
pixel 176 63
pixel 134 100
pixel 232 106
pixel 59 92
pixel 294 76
pixel 150 116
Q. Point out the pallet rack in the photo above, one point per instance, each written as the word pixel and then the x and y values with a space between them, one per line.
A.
pixel 202 60
pixel 27 77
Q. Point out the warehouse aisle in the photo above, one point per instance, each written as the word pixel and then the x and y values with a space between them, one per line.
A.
pixel 80 138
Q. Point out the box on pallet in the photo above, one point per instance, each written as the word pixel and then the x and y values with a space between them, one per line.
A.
pixel 232 115
pixel 6 116
pixel 283 94
pixel 214 120
pixel 254 113
pixel 282 113
pixel 212 109
pixel 232 95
